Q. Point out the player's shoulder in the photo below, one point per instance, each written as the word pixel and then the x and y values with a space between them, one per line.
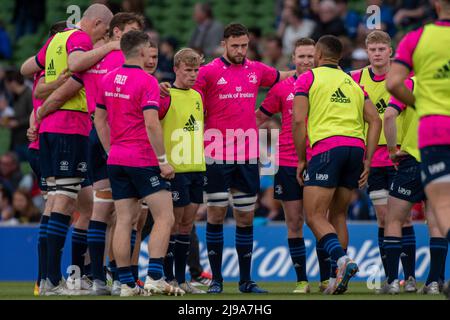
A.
pixel 357 74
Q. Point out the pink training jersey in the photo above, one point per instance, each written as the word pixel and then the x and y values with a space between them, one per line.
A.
pixel 281 99
pixel 433 129
pixel 36 104
pixel 230 93
pixel 125 93
pixel 93 76
pixel 302 87
pixel 66 121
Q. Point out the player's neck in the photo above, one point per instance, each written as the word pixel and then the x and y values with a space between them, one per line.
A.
pixel 177 84
pixel 380 71
pixel 328 62
pixel 134 62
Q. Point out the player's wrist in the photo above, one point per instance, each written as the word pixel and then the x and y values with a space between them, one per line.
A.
pixel 162 160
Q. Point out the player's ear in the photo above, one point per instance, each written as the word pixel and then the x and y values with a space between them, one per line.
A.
pixel 223 43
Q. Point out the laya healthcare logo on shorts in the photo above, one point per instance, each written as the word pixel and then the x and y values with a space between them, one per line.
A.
pixel 321 177
pixel 154 181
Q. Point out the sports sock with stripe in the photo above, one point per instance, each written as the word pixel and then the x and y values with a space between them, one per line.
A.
pixel 298 256
pixel 58 225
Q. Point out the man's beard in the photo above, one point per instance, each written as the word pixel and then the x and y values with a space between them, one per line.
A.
pixel 235 60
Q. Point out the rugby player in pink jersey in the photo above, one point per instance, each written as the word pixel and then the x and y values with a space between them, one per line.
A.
pixel 230 86
pixel 33 158
pixel 103 206
pixel 280 99
pixel 373 79
pixel 425 51
pixel 128 127
pixel 63 140
pixel 337 109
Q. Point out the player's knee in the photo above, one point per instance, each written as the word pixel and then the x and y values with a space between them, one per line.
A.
pixel 103 196
pixel 217 199
pixel 244 202
pixel 185 228
pixel 69 187
pixel 379 197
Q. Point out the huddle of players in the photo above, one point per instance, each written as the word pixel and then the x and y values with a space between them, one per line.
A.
pixel 136 154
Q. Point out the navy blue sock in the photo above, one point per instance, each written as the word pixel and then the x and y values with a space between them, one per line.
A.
pixel 182 245
pixel 155 268
pixel 79 248
pixel 333 268
pixel 214 245
pixel 113 269
pixel 298 255
pixel 88 270
pixel 324 262
pixel 393 249
pixel 244 248
pixel 125 276
pixel 380 246
pixel 96 238
pixel 135 272
pixel 332 246
pixel 57 228
pixel 442 274
pixel 438 254
pixel 42 248
pixel 132 241
pixel 168 259
pixel 408 255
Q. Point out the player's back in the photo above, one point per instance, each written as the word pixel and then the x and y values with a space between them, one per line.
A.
pixel 126 92
pixel 336 105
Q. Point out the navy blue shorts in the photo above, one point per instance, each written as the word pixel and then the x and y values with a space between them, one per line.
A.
pixel 97 158
pixel 407 184
pixel 223 177
pixel 380 178
pixel 337 167
pixel 33 159
pixel 135 182
pixel 187 188
pixel 286 187
pixel 63 155
pixel 435 163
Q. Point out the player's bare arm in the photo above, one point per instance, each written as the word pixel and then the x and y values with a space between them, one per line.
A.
pixel 102 127
pixel 155 135
pixel 30 67
pixel 299 114
pixel 57 99
pixel 396 86
pixel 79 61
pixel 44 90
pixel 373 135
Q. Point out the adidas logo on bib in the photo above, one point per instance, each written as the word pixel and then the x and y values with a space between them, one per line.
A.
pixel 191 125
pixel 339 97
pixel 51 69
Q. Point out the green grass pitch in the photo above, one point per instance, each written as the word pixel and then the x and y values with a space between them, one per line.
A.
pixel 278 291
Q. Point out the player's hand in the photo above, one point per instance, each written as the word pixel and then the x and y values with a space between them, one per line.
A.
pixel 114 45
pixel 63 76
pixel 167 171
pixel 300 168
pixel 32 134
pixel 364 175
pixel 164 88
pixel 396 156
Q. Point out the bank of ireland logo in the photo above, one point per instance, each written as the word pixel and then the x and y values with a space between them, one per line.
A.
pixel 252 78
